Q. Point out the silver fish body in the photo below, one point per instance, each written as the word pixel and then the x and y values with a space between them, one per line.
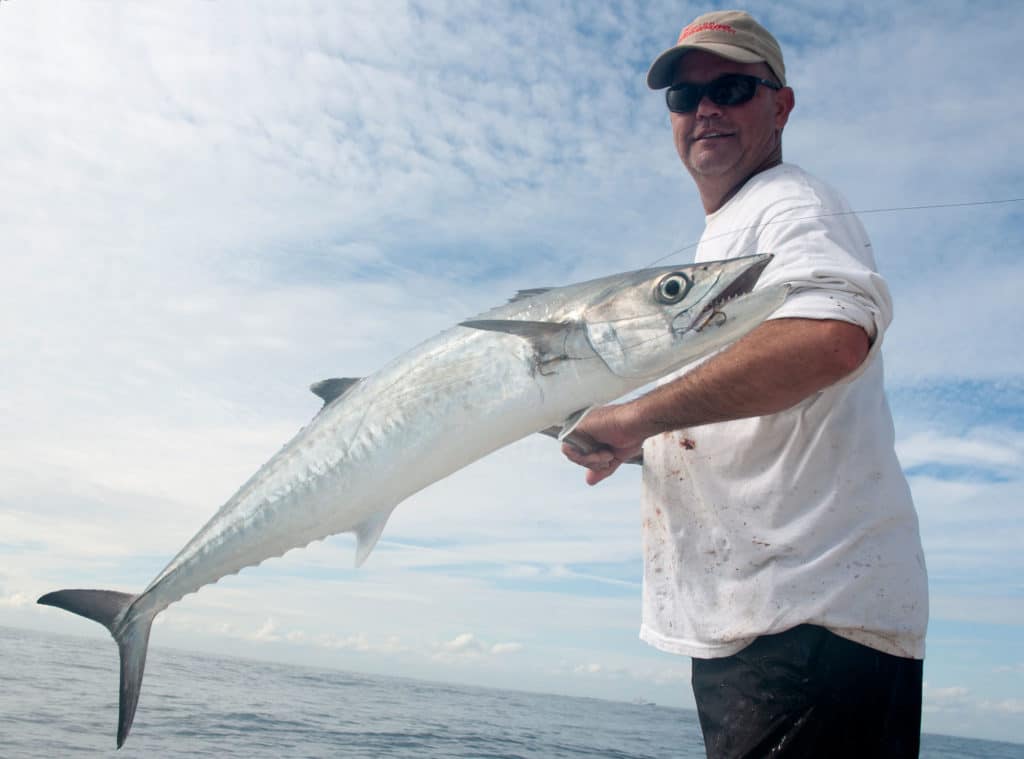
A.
pixel 535 363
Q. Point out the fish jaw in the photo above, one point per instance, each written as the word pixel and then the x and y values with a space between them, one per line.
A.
pixel 644 338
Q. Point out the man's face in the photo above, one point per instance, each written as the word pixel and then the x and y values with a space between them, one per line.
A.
pixel 729 143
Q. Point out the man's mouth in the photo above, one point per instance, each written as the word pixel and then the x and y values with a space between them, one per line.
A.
pixel 717 135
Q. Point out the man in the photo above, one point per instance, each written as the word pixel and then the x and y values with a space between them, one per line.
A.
pixel 781 546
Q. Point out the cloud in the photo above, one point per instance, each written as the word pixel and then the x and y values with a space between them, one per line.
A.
pixel 462 644
pixel 467 647
pixel 266 633
pixel 506 648
pixel 391 644
pixel 959 710
pixel 15 600
pixel 997 451
pixel 643 675
pixel 270 631
pixel 968 487
pixel 1011 706
pixel 1009 668
pixel 953 693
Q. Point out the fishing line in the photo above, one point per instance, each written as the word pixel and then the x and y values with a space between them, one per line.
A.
pixel 865 211
pixel 893 209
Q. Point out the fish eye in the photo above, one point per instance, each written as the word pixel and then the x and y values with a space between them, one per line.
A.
pixel 673 288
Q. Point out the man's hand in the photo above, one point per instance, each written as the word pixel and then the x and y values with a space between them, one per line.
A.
pixel 609 427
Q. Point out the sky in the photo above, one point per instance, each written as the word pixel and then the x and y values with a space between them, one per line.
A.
pixel 205 207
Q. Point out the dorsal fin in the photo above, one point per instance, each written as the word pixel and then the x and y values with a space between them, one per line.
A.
pixel 332 388
pixel 528 293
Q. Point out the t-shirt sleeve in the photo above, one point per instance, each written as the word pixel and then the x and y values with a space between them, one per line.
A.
pixel 826 258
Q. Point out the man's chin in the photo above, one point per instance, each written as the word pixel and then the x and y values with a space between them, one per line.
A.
pixel 711 167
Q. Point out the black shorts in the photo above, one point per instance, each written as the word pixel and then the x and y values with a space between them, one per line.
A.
pixel 809 693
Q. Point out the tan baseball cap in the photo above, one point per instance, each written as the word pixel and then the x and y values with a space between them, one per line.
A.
pixel 733 35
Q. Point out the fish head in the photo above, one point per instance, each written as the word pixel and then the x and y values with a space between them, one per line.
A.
pixel 653 321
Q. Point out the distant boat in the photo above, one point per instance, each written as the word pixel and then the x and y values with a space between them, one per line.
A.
pixel 638 701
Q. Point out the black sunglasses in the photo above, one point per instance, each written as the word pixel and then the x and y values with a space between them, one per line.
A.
pixel 729 89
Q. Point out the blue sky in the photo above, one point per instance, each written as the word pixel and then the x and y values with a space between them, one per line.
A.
pixel 204 207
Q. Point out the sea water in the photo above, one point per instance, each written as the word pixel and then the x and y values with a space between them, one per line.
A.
pixel 58 698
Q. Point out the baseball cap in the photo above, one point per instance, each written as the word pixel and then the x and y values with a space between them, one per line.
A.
pixel 733 35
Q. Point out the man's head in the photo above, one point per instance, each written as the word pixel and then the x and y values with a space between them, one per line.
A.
pixel 726 81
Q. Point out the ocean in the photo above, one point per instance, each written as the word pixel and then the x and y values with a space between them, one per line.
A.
pixel 58 698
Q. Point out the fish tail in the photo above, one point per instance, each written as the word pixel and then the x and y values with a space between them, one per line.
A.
pixel 131 632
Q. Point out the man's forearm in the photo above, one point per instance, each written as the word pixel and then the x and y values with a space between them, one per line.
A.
pixel 771 369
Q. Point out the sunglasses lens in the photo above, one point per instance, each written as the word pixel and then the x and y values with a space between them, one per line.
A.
pixel 683 98
pixel 731 89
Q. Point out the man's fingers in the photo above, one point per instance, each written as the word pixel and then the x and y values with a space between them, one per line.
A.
pixel 600 464
pixel 596 460
pixel 594 476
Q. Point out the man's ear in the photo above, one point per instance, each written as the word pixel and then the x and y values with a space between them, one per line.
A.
pixel 785 100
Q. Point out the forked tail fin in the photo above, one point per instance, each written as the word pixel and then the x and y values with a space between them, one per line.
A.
pixel 108 607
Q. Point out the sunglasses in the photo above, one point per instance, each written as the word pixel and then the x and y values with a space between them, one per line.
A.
pixel 730 89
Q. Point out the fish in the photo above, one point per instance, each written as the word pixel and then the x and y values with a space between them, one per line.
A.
pixel 537 363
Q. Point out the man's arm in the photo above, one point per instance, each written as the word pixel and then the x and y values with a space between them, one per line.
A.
pixel 774 367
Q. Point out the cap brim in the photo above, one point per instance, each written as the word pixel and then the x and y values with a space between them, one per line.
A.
pixel 663 69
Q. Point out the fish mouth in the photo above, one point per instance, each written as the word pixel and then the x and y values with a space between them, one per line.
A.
pixel 741 285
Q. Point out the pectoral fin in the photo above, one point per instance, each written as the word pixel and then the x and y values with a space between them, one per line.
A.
pixel 552 342
pixel 533 331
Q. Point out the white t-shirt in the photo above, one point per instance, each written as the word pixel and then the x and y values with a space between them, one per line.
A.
pixel 753 526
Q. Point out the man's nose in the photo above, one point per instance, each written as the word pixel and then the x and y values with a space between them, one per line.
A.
pixel 706 107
